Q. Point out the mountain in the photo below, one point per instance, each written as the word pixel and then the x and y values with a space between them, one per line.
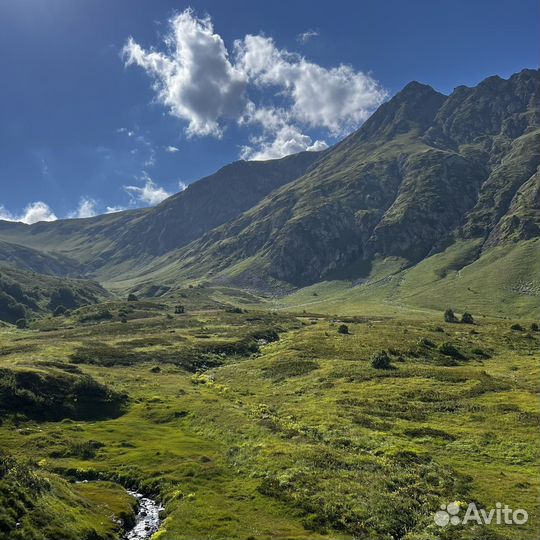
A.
pixel 424 173
pixel 106 245
pixel 37 261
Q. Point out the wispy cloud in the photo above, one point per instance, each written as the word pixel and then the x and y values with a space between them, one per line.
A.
pixel 43 165
pixel 304 37
pixel 172 149
pixel 127 131
pixel 150 193
pixel 114 209
pixel 86 209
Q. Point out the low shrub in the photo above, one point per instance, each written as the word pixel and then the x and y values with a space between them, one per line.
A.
pixel 448 349
pixel 381 360
pixel 449 316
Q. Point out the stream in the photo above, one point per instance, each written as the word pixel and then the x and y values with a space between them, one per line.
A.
pixel 147 521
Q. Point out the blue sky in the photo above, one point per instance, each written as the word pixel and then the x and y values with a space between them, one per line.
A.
pixel 93 121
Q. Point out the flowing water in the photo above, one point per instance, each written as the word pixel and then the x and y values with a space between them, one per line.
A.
pixel 147 521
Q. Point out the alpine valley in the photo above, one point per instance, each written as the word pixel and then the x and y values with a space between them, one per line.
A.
pixel 326 345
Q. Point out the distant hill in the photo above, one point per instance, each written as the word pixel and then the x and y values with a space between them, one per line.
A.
pixel 103 244
pixel 25 294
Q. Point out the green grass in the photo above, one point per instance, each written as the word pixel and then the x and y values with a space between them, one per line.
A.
pixel 294 438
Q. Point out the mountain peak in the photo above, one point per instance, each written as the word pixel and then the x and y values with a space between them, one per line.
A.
pixel 414 87
pixel 411 109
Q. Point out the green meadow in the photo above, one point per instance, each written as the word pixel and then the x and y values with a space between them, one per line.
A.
pixel 265 420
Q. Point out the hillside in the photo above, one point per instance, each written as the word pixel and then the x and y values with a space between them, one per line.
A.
pixel 24 294
pixel 111 244
pixel 423 171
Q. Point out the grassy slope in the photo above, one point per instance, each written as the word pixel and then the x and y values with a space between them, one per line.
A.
pixel 46 506
pixel 39 288
pixel 303 439
pixel 502 282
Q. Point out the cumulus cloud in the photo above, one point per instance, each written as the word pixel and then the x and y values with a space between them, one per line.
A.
pixel 194 78
pixel 304 37
pixel 287 140
pixel 150 193
pixel 182 185
pixel 33 213
pixel 258 85
pixel 279 138
pixel 338 98
pixel 86 209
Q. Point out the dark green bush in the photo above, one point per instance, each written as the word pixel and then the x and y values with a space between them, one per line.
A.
pixel 343 329
pixel 63 296
pixel 59 310
pixel 381 360
pixel 425 342
pixel 448 349
pixel 53 395
pixel 449 316
pixel 234 310
pixel 10 309
pixel 467 318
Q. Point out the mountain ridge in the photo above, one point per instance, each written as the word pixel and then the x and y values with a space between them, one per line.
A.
pixel 412 198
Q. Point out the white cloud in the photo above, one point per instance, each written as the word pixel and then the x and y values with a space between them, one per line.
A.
pixel 86 209
pixel 182 185
pixel 195 77
pixel 338 99
pixel 304 37
pixel 172 149
pixel 279 137
pixel 150 193
pixel 33 213
pixel 113 209
pixel 287 140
